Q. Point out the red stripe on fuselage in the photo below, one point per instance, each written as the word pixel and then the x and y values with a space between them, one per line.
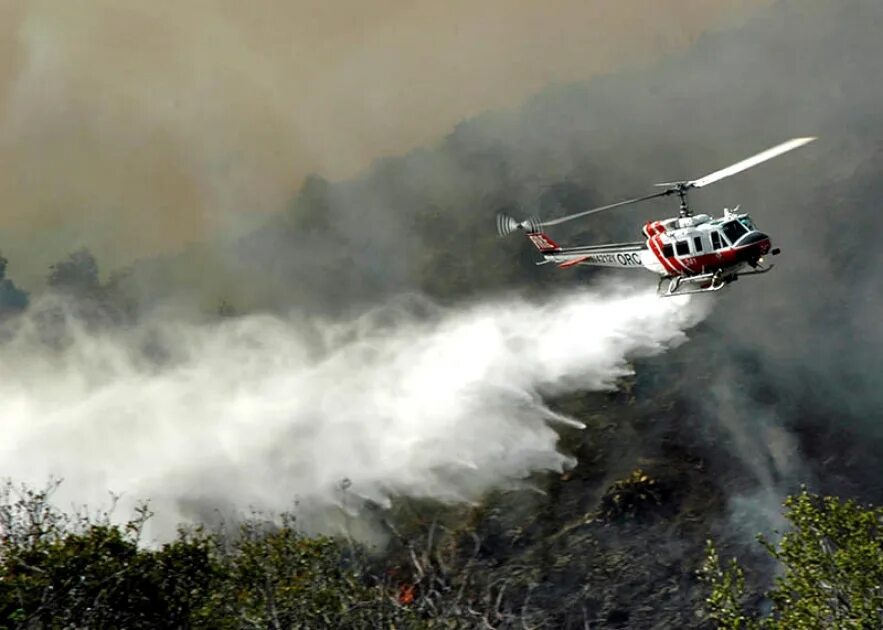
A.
pixel 676 262
pixel 572 263
pixel 656 248
pixel 653 228
pixel 671 263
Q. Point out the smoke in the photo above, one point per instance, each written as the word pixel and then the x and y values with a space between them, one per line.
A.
pixel 136 128
pixel 791 362
pixel 410 398
pixel 770 454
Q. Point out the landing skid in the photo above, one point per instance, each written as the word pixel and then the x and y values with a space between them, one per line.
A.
pixel 669 286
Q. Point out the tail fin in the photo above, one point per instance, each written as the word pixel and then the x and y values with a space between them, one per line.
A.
pixel 543 242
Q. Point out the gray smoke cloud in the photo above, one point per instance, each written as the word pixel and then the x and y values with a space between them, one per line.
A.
pixel 791 358
pixel 409 399
pixel 802 366
pixel 788 367
pixel 136 128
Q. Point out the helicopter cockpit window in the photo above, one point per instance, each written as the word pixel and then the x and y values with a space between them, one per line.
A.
pixel 667 251
pixel 747 223
pixel 716 240
pixel 734 230
pixel 682 248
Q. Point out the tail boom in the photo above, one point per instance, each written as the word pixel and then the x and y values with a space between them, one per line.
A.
pixel 623 255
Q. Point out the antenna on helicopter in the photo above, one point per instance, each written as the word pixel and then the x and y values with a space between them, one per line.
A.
pixel 507 225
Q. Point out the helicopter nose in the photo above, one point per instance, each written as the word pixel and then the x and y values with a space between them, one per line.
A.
pixel 756 242
pixel 763 243
pixel 754 247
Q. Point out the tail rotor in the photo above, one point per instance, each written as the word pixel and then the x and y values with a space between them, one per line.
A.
pixel 506 225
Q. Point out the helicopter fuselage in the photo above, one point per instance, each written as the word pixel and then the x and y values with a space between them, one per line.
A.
pixel 699 244
pixel 695 253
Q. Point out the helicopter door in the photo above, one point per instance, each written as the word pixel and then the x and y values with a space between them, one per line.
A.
pixel 716 242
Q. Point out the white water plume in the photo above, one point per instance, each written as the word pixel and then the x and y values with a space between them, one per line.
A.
pixel 259 411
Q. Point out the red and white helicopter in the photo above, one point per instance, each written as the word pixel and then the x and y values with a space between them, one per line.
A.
pixel 692 253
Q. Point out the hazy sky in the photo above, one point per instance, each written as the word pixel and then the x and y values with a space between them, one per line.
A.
pixel 134 127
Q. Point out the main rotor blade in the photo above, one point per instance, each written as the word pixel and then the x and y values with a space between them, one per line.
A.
pixel 747 163
pixel 586 213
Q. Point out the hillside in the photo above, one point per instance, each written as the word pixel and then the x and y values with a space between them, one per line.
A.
pixel 779 387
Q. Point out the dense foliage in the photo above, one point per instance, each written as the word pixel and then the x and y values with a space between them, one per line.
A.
pixel 832 570
pixel 60 570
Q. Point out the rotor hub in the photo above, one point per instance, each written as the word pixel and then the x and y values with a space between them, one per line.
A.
pixel 684 210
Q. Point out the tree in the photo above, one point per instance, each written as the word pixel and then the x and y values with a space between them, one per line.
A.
pixel 60 570
pixel 832 570
pixel 311 210
pixel 77 280
pixel 12 299
pixel 226 309
pixel 78 274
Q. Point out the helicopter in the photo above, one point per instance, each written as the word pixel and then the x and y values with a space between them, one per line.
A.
pixel 693 253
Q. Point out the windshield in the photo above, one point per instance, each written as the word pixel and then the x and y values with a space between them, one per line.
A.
pixel 734 230
pixel 747 223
